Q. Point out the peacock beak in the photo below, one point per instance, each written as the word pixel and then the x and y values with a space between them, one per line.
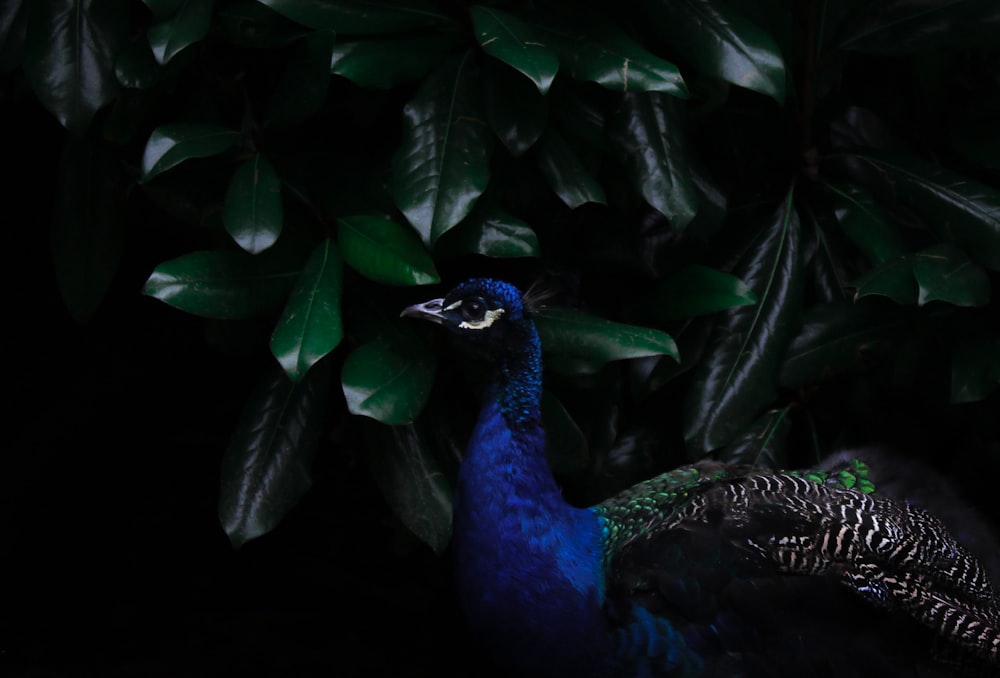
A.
pixel 428 310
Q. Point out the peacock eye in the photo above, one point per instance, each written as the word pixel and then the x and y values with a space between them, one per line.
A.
pixel 474 309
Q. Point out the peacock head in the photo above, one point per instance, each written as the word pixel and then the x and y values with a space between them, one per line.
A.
pixel 489 314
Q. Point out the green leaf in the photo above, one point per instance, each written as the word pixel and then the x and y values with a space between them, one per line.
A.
pixel 411 481
pixel 492 232
pixel 69 56
pixel 975 368
pixel 311 325
pixel 361 17
pixel 738 377
pixel 764 443
pixel 222 284
pixel 594 50
pixel 251 24
pixel 721 42
pixel 960 210
pixel 514 109
pixel 442 165
pixel 944 273
pixel 647 137
pixel 838 338
pixel 169 145
pixel 188 26
pixel 866 223
pixel 383 64
pixel 301 90
pixel 266 467
pixel 384 251
pixel 581 343
pixel 565 173
pixel 939 273
pixel 387 380
pixel 507 38
pixel 252 212
pixel 87 224
pixel 694 290
pixel 892 279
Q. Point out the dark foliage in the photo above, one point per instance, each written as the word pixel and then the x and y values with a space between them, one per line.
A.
pixel 771 230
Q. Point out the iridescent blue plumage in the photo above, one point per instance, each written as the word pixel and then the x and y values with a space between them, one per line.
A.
pixel 709 570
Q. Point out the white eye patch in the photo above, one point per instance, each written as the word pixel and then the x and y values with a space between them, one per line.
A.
pixel 489 317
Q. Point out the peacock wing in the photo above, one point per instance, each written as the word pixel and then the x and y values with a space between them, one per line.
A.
pixel 775 571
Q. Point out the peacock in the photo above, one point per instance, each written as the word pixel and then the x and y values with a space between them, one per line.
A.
pixel 706 570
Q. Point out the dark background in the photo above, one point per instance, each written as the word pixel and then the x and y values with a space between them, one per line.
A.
pixel 112 558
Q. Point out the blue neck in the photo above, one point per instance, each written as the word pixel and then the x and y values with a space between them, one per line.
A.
pixel 528 565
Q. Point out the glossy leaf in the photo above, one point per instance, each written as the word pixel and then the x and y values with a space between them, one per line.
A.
pixel 866 223
pixel 252 212
pixel 565 173
pixel 975 368
pixel 301 90
pixel 411 481
pixel 222 284
pixel 581 343
pixel 251 24
pixel 88 220
pixel 963 211
pixel 598 51
pixel 944 273
pixel 939 273
pixel 169 145
pixel 266 468
pixel 442 165
pixel 721 42
pixel 385 251
pixel 311 325
pixel 764 443
pixel 387 62
pixel 388 381
pixel 69 56
pixel 507 38
pixel 647 137
pixel 837 338
pixel 360 17
pixel 738 377
pixel 694 290
pixel 492 232
pixel 893 279
pixel 188 26
pixel 517 113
